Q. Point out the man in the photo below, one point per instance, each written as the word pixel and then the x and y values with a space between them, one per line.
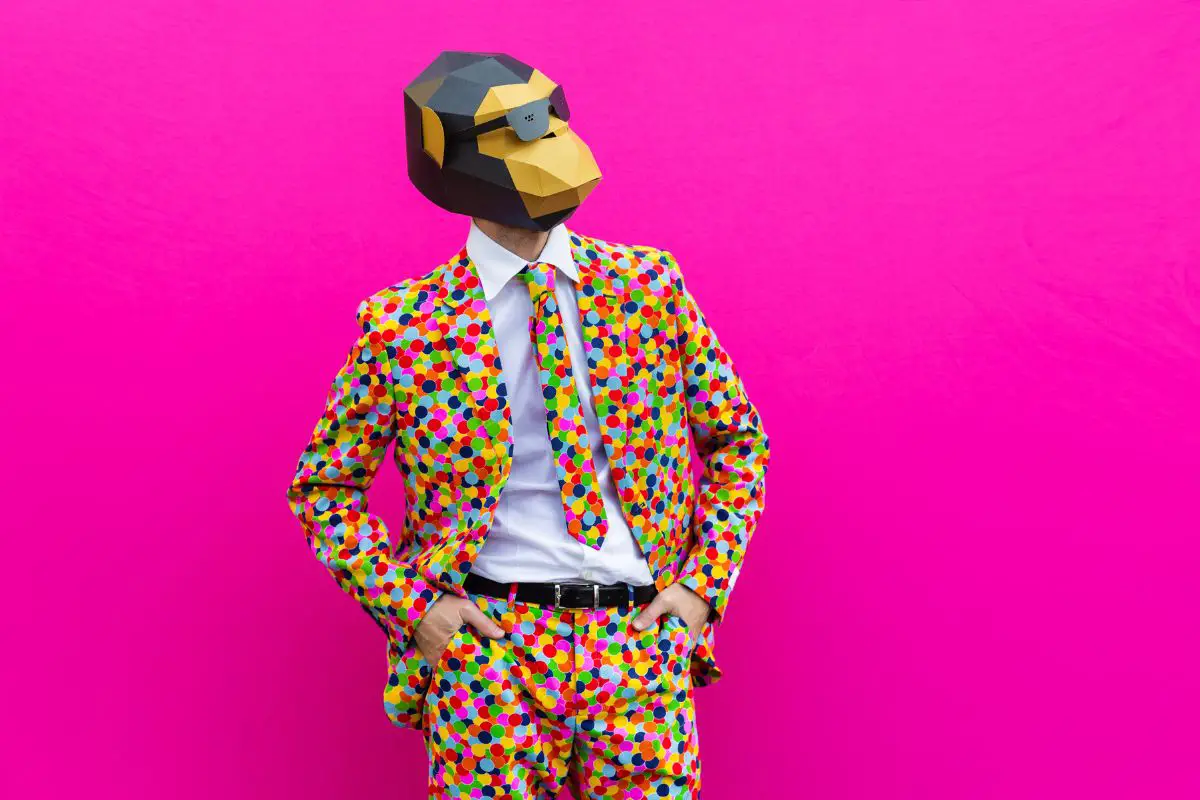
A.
pixel 551 600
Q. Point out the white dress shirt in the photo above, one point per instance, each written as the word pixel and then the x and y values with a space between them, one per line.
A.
pixel 528 540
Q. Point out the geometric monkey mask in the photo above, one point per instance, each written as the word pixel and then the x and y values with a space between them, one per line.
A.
pixel 487 136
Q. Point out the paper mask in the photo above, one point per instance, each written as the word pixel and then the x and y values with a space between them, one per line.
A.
pixel 488 137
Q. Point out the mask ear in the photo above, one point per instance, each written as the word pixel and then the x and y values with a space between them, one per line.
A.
pixel 433 137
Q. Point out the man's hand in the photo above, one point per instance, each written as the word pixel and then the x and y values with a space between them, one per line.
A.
pixel 445 617
pixel 679 600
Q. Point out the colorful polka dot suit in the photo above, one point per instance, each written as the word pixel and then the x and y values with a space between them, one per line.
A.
pixel 425 374
pixel 564 415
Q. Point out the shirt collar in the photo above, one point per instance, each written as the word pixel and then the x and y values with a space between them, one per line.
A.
pixel 497 266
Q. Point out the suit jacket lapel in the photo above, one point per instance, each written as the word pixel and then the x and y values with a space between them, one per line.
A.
pixel 468 340
pixel 600 297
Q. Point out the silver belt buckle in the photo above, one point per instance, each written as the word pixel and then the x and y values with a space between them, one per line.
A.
pixel 557 595
pixel 595 596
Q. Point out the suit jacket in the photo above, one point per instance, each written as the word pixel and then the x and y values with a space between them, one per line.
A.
pixel 425 373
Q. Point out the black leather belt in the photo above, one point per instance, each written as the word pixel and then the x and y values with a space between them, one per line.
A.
pixel 564 595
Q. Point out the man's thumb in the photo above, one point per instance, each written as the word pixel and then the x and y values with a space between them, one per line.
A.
pixel 649 614
pixel 481 622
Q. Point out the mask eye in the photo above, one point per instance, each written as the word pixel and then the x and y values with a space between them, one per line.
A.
pixel 530 121
pixel 558 103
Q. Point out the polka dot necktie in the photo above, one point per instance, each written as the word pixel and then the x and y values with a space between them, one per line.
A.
pixel 564 411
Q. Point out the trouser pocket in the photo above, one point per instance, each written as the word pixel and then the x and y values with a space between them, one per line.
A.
pixel 679 631
pixel 448 650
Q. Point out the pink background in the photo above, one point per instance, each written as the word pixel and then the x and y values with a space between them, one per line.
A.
pixel 953 247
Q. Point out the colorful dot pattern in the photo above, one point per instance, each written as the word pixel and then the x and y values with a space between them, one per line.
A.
pixel 424 374
pixel 567 698
pixel 569 441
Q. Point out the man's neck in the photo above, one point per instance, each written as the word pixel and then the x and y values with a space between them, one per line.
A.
pixel 523 242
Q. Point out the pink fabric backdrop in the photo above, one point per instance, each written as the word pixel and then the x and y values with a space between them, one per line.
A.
pixel 953 247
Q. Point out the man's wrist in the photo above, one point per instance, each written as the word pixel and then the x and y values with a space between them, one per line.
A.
pixel 694 581
pixel 696 594
pixel 416 598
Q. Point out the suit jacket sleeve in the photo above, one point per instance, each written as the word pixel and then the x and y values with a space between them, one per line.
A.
pixel 329 491
pixel 732 445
